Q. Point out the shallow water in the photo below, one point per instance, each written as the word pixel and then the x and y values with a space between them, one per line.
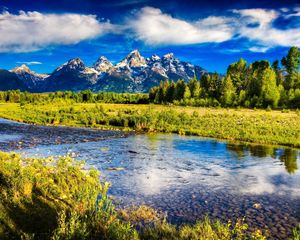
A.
pixel 187 177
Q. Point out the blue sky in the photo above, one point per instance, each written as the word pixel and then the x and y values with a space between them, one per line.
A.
pixel 211 34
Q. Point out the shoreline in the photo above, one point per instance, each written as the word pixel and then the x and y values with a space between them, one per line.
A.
pixel 134 132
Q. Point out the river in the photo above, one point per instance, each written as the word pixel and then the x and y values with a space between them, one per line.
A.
pixel 186 177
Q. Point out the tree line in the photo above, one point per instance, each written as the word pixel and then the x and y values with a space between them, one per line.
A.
pixel 260 84
pixel 86 96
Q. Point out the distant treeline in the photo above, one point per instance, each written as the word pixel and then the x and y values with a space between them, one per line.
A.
pixel 17 96
pixel 259 84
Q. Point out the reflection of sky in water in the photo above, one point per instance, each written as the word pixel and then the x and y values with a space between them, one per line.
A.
pixel 9 137
pixel 156 163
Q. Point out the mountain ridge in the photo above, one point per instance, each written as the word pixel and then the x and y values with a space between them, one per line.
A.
pixel 134 73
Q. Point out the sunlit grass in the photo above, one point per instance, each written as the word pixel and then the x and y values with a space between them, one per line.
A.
pixel 59 199
pixel 260 126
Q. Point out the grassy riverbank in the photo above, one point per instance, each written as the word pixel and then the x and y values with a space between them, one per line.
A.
pixel 259 126
pixel 60 199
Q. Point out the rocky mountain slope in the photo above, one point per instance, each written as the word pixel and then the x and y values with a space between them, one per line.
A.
pixel 132 74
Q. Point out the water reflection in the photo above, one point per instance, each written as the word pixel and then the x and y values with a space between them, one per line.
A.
pixel 287 156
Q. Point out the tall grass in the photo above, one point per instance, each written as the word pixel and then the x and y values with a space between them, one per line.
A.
pixel 260 126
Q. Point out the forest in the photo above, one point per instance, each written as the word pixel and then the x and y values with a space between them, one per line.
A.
pixel 259 84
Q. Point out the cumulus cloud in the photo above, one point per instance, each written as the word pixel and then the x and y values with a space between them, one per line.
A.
pixel 154 27
pixel 264 31
pixel 29 31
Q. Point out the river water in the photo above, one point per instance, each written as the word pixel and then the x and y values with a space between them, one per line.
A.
pixel 186 177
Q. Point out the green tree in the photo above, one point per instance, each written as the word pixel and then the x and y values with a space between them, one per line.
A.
pixel 254 81
pixel 194 86
pixel 291 63
pixel 204 82
pixel 279 75
pixel 214 85
pixel 237 72
pixel 87 96
pixel 171 92
pixel 187 93
pixel 160 95
pixel 152 93
pixel 179 90
pixel 270 94
pixel 228 92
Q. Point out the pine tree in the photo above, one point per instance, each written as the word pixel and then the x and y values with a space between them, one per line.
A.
pixel 187 93
pixel 228 92
pixel 170 95
pixel 237 72
pixel 291 63
pixel 269 91
pixel 279 76
pixel 194 86
pixel 180 88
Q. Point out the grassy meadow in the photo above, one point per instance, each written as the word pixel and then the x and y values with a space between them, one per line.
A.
pixel 250 125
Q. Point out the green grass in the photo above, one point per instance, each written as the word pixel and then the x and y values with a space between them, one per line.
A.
pixel 58 199
pixel 259 126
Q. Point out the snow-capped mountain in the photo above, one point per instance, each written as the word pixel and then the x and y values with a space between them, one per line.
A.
pixel 72 75
pixel 30 79
pixel 102 65
pixel 134 73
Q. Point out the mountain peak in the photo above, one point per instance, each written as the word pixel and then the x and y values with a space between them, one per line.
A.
pixel 155 57
pixel 75 61
pixel 169 56
pixel 102 58
pixel 21 69
pixel 133 59
pixel 72 64
pixel 102 64
pixel 135 52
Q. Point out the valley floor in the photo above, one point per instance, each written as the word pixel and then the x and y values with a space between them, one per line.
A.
pixel 257 126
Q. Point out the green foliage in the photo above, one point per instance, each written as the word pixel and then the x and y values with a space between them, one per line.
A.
pixel 237 72
pixel 87 96
pixel 257 85
pixel 228 92
pixel 269 91
pixel 194 87
pixel 291 63
pixel 58 200
pixel 55 199
pixel 296 233
pixel 203 230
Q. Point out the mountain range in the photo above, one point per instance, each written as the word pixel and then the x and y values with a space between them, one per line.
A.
pixel 133 74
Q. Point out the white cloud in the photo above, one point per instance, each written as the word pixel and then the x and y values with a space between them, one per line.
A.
pixel 29 31
pixel 259 49
pixel 265 33
pixel 154 27
pixel 31 63
pixel 295 13
pixel 257 15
